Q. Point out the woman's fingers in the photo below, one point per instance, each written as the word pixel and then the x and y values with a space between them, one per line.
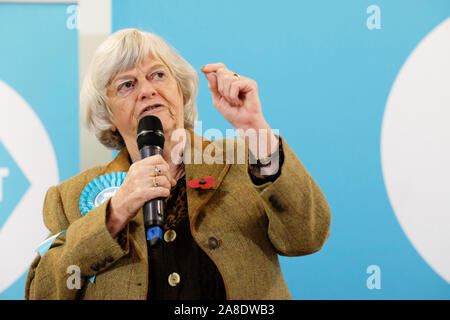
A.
pixel 148 174
pixel 153 160
pixel 158 192
pixel 160 181
pixel 154 166
pixel 225 80
pixel 212 67
pixel 213 86
pixel 223 83
pixel 160 170
pixel 147 179
pixel 234 91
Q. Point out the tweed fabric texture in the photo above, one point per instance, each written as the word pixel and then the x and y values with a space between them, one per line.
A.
pixel 253 223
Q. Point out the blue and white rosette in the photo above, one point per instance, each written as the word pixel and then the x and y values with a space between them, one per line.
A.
pixel 93 195
pixel 99 190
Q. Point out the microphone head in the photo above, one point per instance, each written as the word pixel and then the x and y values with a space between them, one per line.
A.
pixel 150 132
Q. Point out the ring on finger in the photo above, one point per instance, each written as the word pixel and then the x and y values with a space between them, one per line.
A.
pixel 155 183
pixel 157 170
pixel 236 76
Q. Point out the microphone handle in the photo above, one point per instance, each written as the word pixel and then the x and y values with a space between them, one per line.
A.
pixel 153 209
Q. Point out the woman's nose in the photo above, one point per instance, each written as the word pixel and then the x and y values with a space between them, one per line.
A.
pixel 146 90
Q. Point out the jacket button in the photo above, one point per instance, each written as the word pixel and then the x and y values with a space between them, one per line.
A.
pixel 101 263
pixel 95 266
pixel 170 235
pixel 174 279
pixel 276 203
pixel 109 259
pixel 213 243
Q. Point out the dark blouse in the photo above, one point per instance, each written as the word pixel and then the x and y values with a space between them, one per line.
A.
pixel 178 267
pixel 198 277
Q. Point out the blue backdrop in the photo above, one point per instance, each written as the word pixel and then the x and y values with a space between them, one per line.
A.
pixel 324 77
pixel 39 61
pixel 325 70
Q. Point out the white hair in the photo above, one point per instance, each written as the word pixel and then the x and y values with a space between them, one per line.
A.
pixel 121 51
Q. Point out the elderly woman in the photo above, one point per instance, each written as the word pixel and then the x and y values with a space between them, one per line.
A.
pixel 221 242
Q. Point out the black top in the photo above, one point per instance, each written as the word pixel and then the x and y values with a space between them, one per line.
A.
pixel 199 278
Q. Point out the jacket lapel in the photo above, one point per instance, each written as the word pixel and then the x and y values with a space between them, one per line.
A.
pixel 202 163
pixel 197 198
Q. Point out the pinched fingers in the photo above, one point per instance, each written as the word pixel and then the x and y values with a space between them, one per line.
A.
pixel 224 83
pixel 212 67
pixel 223 80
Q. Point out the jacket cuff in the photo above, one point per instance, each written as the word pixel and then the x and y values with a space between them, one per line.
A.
pixel 258 173
pixel 90 246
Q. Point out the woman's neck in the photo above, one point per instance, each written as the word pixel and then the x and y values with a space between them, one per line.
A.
pixel 173 154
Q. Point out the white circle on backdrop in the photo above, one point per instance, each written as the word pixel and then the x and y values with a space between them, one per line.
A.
pixel 415 148
pixel 27 141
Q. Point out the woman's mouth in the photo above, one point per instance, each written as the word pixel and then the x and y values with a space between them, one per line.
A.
pixel 151 109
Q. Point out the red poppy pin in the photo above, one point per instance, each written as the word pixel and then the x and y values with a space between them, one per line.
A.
pixel 202 183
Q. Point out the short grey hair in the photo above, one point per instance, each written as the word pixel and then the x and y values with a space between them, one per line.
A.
pixel 121 51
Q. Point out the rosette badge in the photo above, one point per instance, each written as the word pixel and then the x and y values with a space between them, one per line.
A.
pixel 100 190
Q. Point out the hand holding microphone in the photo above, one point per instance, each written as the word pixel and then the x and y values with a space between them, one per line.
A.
pixel 147 179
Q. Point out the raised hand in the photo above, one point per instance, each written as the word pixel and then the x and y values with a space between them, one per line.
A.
pixel 235 97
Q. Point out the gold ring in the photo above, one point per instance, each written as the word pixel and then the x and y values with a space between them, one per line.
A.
pixel 236 76
pixel 157 170
pixel 155 183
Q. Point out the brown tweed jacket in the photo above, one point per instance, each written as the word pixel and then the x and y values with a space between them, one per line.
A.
pixel 253 224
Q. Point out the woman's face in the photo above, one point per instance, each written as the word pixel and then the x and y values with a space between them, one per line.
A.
pixel 148 89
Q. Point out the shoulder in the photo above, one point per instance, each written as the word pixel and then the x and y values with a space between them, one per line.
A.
pixel 79 181
pixel 66 195
pixel 61 204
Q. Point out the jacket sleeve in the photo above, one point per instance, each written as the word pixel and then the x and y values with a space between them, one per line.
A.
pixel 86 244
pixel 298 213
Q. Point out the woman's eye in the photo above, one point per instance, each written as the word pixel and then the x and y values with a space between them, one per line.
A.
pixel 126 85
pixel 159 75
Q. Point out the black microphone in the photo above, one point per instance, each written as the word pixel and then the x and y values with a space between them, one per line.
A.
pixel 150 141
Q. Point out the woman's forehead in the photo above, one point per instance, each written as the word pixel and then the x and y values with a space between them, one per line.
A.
pixel 147 64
